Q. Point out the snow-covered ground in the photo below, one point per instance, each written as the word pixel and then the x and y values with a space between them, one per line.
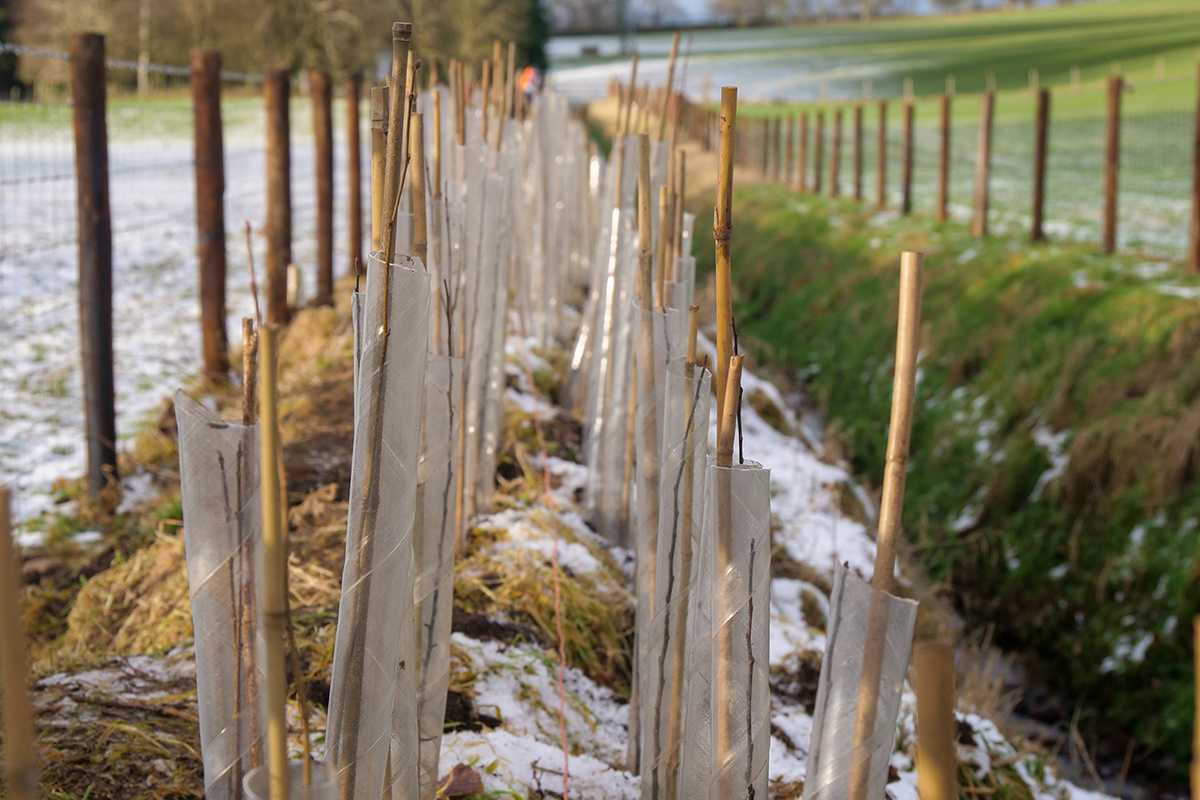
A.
pixel 156 308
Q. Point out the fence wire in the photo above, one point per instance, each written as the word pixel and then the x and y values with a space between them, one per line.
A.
pixel 156 307
pixel 1154 176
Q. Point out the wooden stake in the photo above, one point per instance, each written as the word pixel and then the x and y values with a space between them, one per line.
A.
pixel 881 157
pixel 983 165
pixel 1041 128
pixel 835 157
pixel 277 91
pixel 819 153
pixel 802 156
pixel 275 566
pixel 510 82
pixel 789 157
pixel 20 762
pixel 420 224
pixel 944 162
pixel 722 232
pixel 937 761
pixel 858 152
pixel 662 117
pixel 379 135
pixel 1112 161
pixel 906 171
pixel 460 101
pixel 899 432
pixel 322 100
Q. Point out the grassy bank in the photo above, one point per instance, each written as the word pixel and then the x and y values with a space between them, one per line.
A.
pixel 1052 486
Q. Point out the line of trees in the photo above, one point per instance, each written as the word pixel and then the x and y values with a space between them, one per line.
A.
pixel 341 36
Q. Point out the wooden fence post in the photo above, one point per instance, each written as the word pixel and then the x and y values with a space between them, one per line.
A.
pixel 277 84
pixel 210 210
pixel 322 99
pixel 766 147
pixel 907 171
pixel 777 160
pixel 819 152
pixel 835 154
pixel 1041 125
pixel 790 151
pixel 983 165
pixel 937 762
pixel 881 157
pixel 802 156
pixel 88 110
pixel 944 163
pixel 858 114
pixel 353 89
pixel 1194 241
pixel 1112 162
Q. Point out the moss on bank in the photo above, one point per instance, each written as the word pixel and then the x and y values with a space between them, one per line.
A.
pixel 1053 477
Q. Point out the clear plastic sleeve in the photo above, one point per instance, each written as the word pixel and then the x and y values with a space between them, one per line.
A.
pixel 433 550
pixel 218 476
pixel 832 756
pixel 681 511
pixel 373 649
pixel 728 725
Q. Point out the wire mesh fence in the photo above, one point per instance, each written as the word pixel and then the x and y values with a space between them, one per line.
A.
pixel 1154 185
pixel 156 308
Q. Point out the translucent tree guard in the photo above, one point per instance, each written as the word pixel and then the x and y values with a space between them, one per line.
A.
pixel 323 783
pixel 681 510
pixel 222 540
pixel 433 550
pixel 832 756
pixel 728 726
pixel 370 665
pixel 660 333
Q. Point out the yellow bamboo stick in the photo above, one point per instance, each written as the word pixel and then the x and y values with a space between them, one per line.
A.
pixel 20 761
pixel 722 232
pixel 274 563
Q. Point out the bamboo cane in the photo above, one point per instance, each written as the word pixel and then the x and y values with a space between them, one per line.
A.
pixel 20 762
pixel 892 503
pixel 675 732
pixel 379 133
pixel 937 761
pixel 437 144
pixel 510 82
pixel 485 90
pixel 249 371
pixel 680 199
pixel 394 158
pixel 662 117
pixel 723 687
pixel 275 566
pixel 460 106
pixel 722 231
pixel 623 129
pixel 664 234
pixel 420 237
pixel 497 78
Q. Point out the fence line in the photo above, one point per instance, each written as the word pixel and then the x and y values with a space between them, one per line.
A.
pixel 161 337
pixel 1119 166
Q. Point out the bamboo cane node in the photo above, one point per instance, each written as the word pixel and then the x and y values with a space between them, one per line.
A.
pixel 723 233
